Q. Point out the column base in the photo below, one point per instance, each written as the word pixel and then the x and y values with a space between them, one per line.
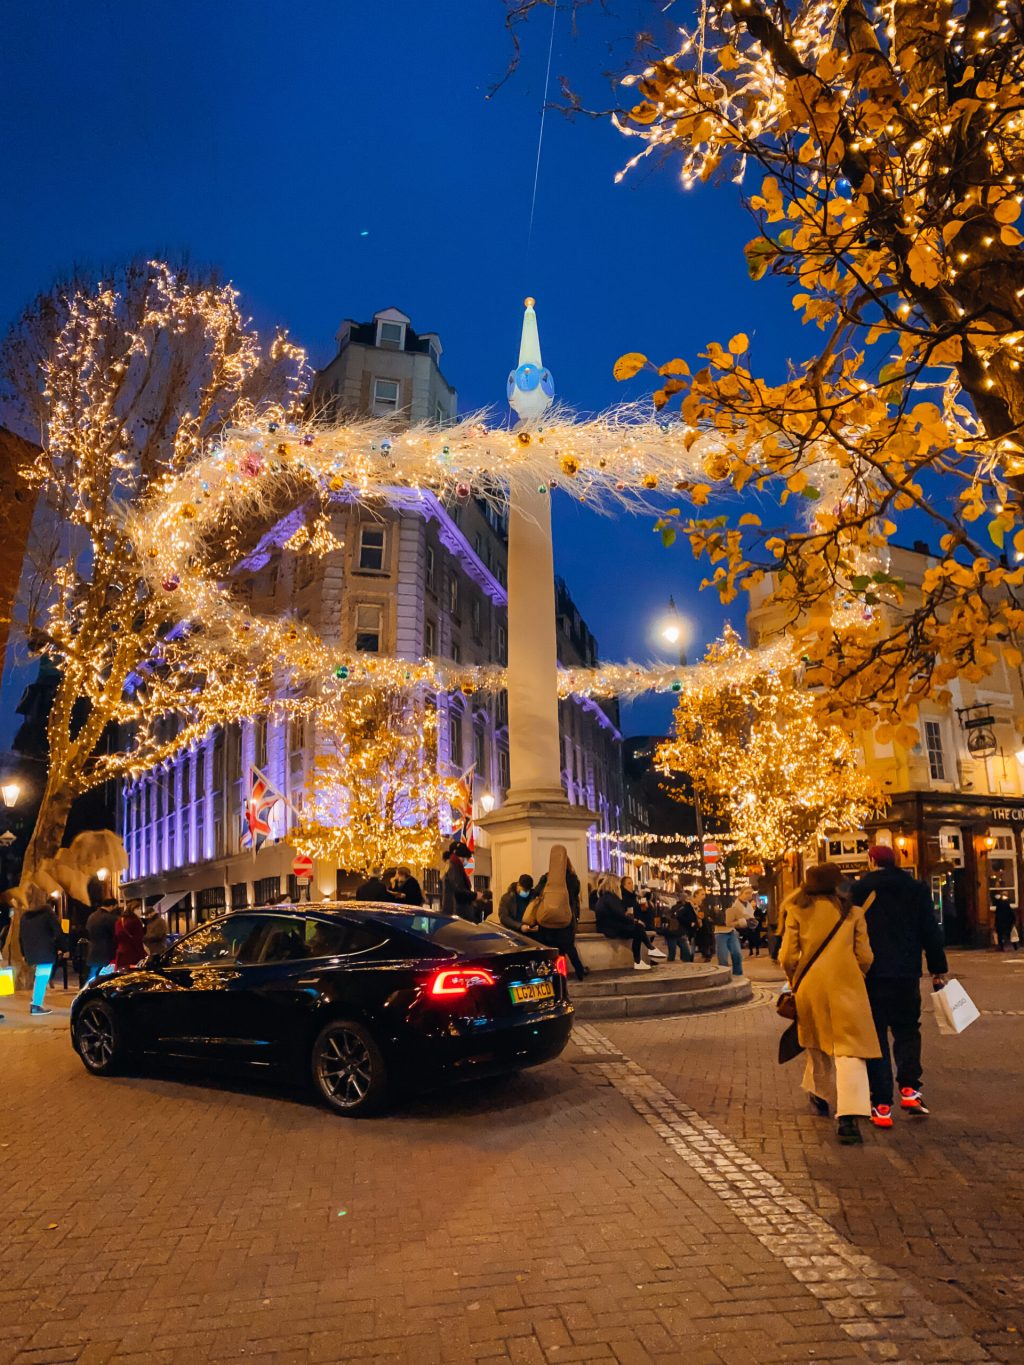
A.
pixel 521 834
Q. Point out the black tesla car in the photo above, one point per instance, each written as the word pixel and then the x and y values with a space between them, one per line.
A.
pixel 358 997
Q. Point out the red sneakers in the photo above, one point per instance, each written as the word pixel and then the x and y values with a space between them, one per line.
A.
pixel 881 1115
pixel 913 1102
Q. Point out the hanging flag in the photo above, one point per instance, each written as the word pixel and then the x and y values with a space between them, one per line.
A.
pixel 462 806
pixel 263 796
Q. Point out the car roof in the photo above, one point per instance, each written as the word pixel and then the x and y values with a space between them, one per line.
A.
pixel 366 909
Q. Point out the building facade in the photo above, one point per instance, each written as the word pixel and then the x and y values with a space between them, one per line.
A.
pixel 956 813
pixel 415 578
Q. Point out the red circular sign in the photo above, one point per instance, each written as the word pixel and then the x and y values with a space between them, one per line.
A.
pixel 303 866
pixel 712 852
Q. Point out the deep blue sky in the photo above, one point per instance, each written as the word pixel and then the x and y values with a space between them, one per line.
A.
pixel 266 139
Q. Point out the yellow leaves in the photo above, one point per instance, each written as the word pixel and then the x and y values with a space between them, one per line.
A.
pixel 796 483
pixel 924 263
pixel 1009 236
pixel 749 519
pixel 739 343
pixel 925 413
pixel 644 113
pixel 948 352
pixel 951 229
pixel 628 365
pixel 728 58
pixel 700 493
pixel 673 367
pixel 1007 212
pixel 1013 656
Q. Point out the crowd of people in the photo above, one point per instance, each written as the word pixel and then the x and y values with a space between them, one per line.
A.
pixel 107 935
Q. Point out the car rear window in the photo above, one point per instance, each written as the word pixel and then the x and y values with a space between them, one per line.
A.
pixel 461 935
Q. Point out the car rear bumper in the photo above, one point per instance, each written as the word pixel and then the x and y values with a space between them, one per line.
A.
pixel 509 1047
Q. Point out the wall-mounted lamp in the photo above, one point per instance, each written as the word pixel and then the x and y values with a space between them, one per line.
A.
pixel 901 842
pixel 487 803
pixel 990 841
pixel 102 873
pixel 10 792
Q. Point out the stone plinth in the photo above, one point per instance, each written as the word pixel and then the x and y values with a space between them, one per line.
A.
pixel 520 836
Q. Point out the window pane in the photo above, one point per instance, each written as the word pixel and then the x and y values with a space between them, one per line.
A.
pixel 368 629
pixel 371 547
pixel 392 332
pixel 221 941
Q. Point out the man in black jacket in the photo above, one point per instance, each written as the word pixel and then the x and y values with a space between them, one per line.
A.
pixel 901 926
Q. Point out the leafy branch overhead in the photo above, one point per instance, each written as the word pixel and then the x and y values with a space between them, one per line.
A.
pixel 887 149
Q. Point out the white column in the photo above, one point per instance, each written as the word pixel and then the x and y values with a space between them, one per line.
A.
pixel 534 742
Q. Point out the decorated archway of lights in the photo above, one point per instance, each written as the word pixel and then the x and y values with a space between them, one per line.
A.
pixel 624 459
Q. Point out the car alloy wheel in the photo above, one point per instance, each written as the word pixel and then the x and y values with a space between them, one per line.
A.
pixel 96 1038
pixel 348 1068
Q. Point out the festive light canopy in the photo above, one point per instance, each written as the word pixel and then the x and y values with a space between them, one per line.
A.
pixel 760 756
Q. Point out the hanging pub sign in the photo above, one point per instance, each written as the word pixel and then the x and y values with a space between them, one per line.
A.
pixel 981 742
pixel 981 737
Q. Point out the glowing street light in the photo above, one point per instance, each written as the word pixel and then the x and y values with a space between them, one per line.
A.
pixel 102 873
pixel 675 630
pixel 10 791
pixel 487 803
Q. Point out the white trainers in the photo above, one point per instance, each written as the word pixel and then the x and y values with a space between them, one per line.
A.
pixel 657 954
pixel 641 966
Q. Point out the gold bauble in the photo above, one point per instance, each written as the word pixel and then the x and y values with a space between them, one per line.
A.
pixel 523 438
pixel 716 465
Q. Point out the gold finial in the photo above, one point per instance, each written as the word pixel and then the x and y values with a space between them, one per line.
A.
pixel 528 302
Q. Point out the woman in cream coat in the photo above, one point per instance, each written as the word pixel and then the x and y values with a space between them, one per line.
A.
pixel 834 1022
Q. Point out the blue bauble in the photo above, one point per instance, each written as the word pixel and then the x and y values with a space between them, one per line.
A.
pixel 526 378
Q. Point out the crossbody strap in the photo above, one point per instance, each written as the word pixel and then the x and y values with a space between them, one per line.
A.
pixel 821 948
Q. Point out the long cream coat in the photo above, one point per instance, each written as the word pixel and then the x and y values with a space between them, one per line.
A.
pixel 833 1013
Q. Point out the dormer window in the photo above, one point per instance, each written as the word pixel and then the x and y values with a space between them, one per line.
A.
pixel 391 336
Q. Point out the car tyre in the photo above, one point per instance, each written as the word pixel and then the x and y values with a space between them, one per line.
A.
pixel 98 1039
pixel 348 1068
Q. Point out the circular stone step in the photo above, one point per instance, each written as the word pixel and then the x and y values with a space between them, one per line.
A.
pixel 680 995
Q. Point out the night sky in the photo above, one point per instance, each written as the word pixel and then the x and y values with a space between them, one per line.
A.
pixel 333 158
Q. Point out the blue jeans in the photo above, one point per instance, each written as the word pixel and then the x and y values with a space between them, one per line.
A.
pixel 728 946
pixel 41 982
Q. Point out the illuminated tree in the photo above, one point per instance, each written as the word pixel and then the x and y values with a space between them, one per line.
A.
pixel 763 761
pixel 375 798
pixel 121 382
pixel 886 143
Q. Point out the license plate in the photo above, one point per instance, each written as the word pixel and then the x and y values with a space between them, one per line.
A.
pixel 531 990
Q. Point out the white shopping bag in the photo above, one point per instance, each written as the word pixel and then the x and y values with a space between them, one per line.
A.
pixel 954 1008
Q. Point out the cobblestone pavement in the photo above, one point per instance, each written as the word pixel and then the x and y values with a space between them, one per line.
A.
pixel 660 1193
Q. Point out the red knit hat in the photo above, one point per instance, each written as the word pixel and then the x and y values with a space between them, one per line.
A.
pixel 883 855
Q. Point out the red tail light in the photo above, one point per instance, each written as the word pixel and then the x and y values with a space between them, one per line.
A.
pixel 457 981
pixel 562 965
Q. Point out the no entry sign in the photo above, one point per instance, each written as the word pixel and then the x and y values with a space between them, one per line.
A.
pixel 712 852
pixel 303 867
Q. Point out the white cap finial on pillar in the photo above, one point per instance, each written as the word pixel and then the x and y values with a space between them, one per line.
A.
pixel 530 386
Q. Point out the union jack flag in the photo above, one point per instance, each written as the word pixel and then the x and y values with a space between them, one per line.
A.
pixel 255 823
pixel 462 807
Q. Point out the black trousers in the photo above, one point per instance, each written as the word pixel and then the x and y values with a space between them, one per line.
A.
pixel 895 1008
pixel 565 941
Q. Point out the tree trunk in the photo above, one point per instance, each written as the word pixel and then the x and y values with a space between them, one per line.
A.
pixel 50 823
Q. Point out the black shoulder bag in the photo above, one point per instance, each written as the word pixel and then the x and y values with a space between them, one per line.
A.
pixel 789 1044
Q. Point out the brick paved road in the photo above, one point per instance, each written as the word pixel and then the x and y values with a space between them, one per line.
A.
pixel 657 1194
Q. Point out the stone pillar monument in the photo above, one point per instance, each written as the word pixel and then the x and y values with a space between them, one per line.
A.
pixel 536 813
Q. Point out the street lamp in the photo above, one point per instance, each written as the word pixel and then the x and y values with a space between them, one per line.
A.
pixel 487 803
pixel 10 791
pixel 675 631
pixel 102 873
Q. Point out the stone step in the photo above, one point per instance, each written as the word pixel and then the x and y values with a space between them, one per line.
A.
pixel 663 976
pixel 645 1005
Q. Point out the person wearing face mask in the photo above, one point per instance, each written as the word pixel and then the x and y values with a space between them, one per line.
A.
pixel 513 903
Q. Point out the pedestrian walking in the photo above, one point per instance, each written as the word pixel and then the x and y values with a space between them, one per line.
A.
pixel 99 931
pixel 552 910
pixel 615 921
pixel 406 888
pixel 1005 922
pixel 825 954
pixel 727 926
pixel 756 926
pixel 457 894
pixel 154 932
pixel 129 941
pixel 40 937
pixel 902 926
